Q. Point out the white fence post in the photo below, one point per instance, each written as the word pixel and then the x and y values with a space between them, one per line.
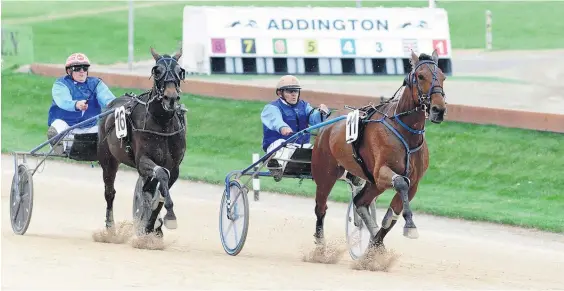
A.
pixel 432 4
pixel 256 181
pixel 489 30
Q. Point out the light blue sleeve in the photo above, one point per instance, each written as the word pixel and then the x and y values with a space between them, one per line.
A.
pixel 315 116
pixel 62 97
pixel 104 94
pixel 272 118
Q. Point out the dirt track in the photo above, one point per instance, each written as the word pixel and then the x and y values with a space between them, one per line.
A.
pixel 58 250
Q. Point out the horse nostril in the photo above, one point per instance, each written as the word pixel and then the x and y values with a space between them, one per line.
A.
pixel 435 109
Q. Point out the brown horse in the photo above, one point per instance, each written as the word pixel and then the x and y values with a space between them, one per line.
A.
pixel 389 152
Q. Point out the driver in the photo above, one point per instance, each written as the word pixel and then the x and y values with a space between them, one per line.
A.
pixel 76 97
pixel 287 115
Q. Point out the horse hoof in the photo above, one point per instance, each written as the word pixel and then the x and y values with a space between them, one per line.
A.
pixel 320 241
pixel 170 224
pixel 159 232
pixel 158 223
pixel 411 233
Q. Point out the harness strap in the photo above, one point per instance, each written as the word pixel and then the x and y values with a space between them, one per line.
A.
pixel 356 143
pixel 408 151
pixel 129 122
pixel 356 147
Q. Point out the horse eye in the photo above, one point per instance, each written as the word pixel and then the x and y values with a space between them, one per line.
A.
pixel 421 77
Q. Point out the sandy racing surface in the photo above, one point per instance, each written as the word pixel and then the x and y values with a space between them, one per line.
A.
pixel 58 250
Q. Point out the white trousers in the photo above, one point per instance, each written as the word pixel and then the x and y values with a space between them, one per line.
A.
pixel 280 141
pixel 61 126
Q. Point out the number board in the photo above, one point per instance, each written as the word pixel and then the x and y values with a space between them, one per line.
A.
pixel 375 33
pixel 279 46
pixel 120 123
pixel 311 47
pixel 348 46
pixel 248 46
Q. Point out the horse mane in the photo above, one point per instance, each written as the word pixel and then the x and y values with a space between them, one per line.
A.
pixel 425 57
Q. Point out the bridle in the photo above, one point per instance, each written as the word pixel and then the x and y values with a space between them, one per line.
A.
pixel 162 73
pixel 424 100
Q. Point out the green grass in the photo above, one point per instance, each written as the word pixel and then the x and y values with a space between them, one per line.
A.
pixel 12 10
pixel 489 173
pixel 517 25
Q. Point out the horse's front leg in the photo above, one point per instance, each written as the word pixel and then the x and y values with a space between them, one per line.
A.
pixel 149 168
pixel 170 217
pixel 400 203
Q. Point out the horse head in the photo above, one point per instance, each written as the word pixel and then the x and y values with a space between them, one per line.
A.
pixel 426 82
pixel 167 74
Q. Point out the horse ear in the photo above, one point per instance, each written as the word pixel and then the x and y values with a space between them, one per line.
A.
pixel 178 55
pixel 156 56
pixel 414 59
pixel 435 56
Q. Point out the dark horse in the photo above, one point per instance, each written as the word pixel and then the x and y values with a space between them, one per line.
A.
pixel 155 142
pixel 389 152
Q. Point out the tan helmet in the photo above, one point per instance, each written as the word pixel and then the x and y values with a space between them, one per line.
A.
pixel 288 82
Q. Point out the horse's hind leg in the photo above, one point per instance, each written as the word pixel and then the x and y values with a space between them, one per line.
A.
pixel 151 223
pixel 148 168
pixel 363 200
pixel 109 166
pixel 325 177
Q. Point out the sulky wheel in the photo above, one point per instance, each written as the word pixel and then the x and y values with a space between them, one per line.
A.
pixel 139 209
pixel 233 226
pixel 358 236
pixel 21 199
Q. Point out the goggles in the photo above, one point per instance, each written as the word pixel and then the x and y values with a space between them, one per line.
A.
pixel 78 68
pixel 291 91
